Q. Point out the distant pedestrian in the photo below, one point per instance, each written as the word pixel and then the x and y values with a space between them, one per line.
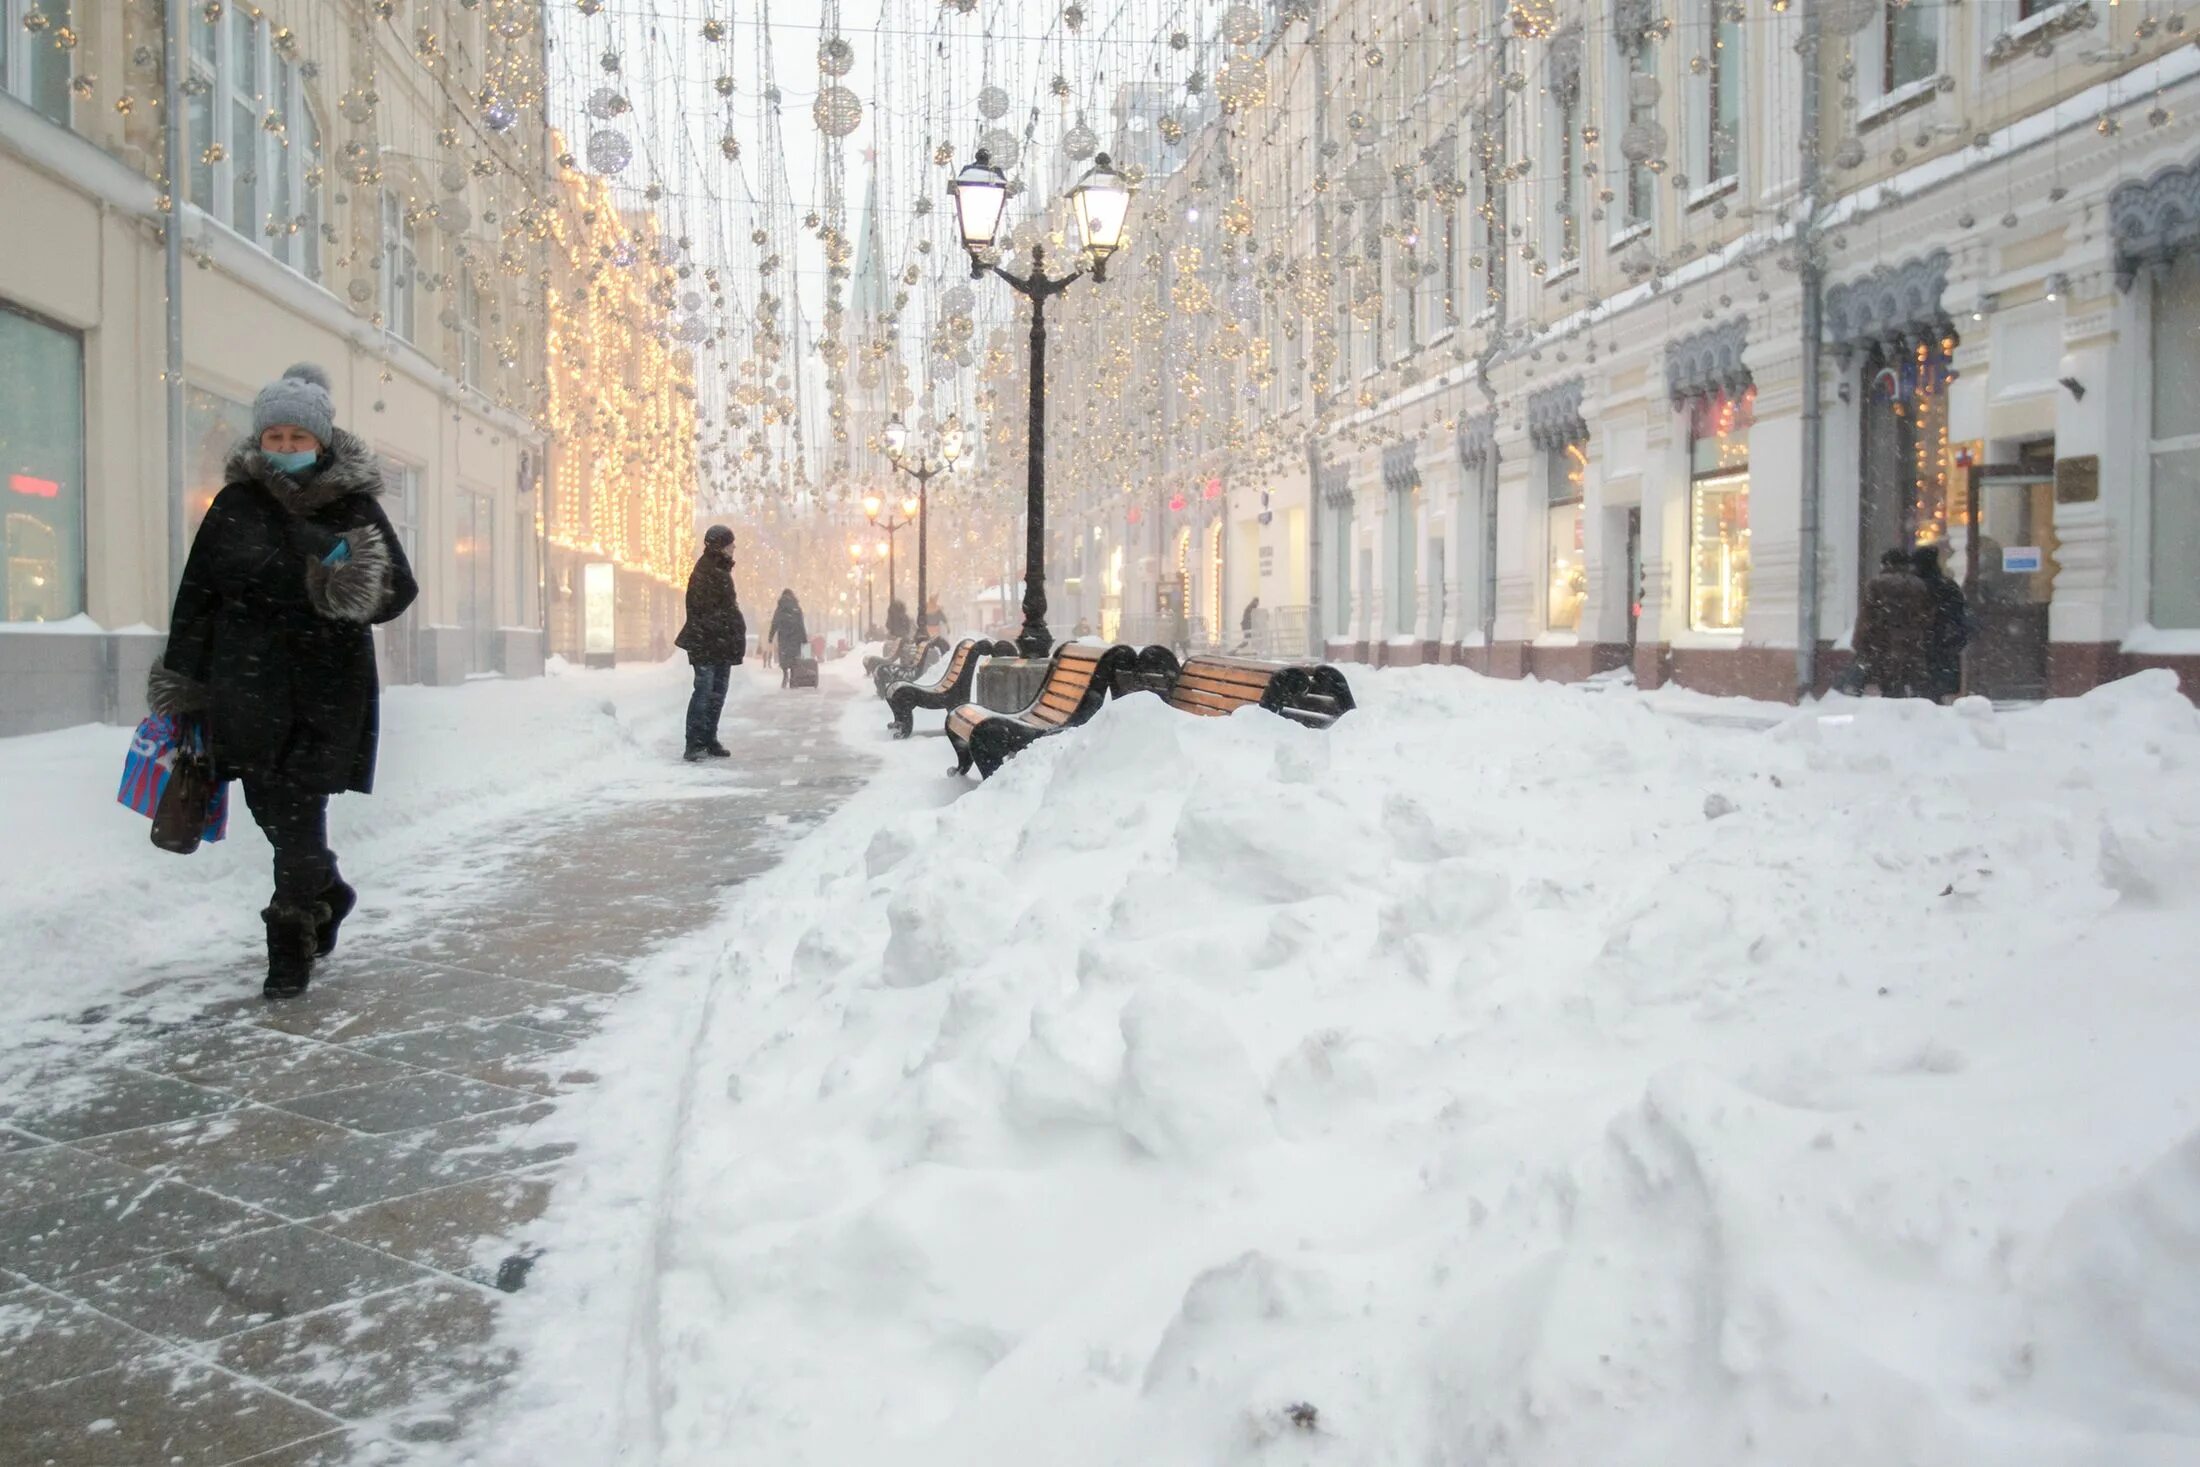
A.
pixel 933 623
pixel 1891 627
pixel 715 638
pixel 268 643
pixel 1245 625
pixel 789 635
pixel 897 621
pixel 1949 629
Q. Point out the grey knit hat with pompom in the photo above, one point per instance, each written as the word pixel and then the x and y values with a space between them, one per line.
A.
pixel 300 398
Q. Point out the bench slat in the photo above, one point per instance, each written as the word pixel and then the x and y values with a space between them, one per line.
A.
pixel 1196 700
pixel 1250 691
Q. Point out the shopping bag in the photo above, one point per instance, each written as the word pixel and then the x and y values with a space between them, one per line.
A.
pixel 168 777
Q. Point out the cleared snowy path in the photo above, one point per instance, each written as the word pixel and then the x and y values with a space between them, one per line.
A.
pixel 281 1235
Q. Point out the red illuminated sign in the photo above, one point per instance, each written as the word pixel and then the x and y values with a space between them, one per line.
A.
pixel 35 488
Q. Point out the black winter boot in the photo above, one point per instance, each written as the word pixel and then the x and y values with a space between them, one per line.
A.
pixel 290 941
pixel 336 903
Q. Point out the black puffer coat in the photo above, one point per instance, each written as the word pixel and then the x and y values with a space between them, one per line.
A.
pixel 715 631
pixel 788 633
pixel 270 643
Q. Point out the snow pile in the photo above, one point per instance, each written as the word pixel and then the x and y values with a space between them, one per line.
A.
pixel 1511 1074
pixel 92 911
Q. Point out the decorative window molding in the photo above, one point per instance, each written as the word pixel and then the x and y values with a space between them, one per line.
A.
pixel 2154 220
pixel 1401 468
pixel 1635 20
pixel 1554 416
pixel 2058 20
pixel 1708 363
pixel 1896 305
pixel 1478 439
pixel 1335 484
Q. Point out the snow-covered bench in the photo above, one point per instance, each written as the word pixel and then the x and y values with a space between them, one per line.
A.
pixel 1312 693
pixel 1078 681
pixel 948 689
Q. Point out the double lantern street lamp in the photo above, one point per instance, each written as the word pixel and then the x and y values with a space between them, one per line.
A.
pixel 1099 203
pixel 923 457
pixel 873 505
pixel 858 550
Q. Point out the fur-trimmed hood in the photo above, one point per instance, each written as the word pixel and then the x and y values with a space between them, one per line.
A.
pixel 351 469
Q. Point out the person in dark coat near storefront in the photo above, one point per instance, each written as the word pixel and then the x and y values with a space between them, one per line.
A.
pixel 789 635
pixel 1949 629
pixel 715 639
pixel 1891 629
pixel 269 644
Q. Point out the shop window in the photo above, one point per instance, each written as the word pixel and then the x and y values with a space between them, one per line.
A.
pixel 1904 497
pixel 41 468
pixel 1718 511
pixel 35 64
pixel 1566 582
pixel 213 427
pixel 255 140
pixel 2174 580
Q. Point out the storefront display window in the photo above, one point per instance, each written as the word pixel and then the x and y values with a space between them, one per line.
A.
pixel 41 468
pixel 2174 599
pixel 1718 510
pixel 213 426
pixel 1908 490
pixel 1566 469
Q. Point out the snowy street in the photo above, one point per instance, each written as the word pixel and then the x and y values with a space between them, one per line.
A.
pixel 1510 1074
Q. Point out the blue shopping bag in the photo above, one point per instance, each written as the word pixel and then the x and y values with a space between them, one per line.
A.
pixel 160 750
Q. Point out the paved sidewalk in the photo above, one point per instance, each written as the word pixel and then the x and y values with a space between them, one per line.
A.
pixel 279 1234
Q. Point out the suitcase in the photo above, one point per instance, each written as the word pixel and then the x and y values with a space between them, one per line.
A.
pixel 802 674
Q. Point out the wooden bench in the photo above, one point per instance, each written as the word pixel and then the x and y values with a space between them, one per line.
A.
pixel 1311 693
pixel 949 688
pixel 1077 682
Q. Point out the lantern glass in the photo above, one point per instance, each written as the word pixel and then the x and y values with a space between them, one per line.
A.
pixel 1101 201
pixel 951 441
pixel 909 504
pixel 897 437
pixel 981 194
pixel 870 506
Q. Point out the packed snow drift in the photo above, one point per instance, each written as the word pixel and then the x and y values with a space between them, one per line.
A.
pixel 1511 1074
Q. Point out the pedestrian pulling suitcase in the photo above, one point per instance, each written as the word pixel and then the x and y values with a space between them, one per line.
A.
pixel 802 673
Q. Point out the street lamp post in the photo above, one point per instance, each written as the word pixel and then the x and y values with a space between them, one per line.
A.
pixel 1099 201
pixel 923 460
pixel 872 505
pixel 868 570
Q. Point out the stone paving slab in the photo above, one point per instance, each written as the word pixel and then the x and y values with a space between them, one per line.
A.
pixel 277 1235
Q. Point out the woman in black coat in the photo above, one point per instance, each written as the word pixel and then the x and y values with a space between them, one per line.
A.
pixel 788 633
pixel 1949 630
pixel 715 639
pixel 269 644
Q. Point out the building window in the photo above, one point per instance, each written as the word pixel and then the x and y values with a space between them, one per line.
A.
pixel 1718 510
pixel 41 468
pixel 214 426
pixel 2174 580
pixel 1909 43
pixel 255 140
pixel 1723 94
pixel 34 65
pixel 1565 470
pixel 400 269
pixel 1635 105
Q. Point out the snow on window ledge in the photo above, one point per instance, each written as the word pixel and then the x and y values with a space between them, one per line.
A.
pixel 2071 15
pixel 1626 237
pixel 1900 100
pixel 1713 191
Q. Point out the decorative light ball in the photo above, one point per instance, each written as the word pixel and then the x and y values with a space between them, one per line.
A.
pixel 1641 141
pixel 1241 25
pixel 730 146
pixel 452 216
pixel 723 86
pixel 499 115
pixel 1847 17
pixel 835 57
pixel 837 111
pixel 360 290
pixel 1178 40
pixel 691 301
pixel 605 103
pixel 943 155
pixel 1195 84
pixel 1364 180
pixel 609 61
pixel 452 177
pixel 609 150
pixel 960 300
pixel 1079 143
pixel 1001 146
pixel 513 21
pixel 692 330
pixel 1172 129
pixel 992 103
pixel 357 107
pixel 961 7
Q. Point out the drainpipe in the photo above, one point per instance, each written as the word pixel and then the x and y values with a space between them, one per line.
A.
pixel 175 39
pixel 1812 277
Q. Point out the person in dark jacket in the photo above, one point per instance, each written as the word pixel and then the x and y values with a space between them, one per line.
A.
pixel 715 639
pixel 1891 628
pixel 269 644
pixel 897 621
pixel 788 634
pixel 1948 630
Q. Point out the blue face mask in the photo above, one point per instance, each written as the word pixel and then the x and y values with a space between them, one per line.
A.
pixel 294 464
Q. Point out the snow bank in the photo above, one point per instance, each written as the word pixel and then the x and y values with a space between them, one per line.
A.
pixel 1511 1074
pixel 92 911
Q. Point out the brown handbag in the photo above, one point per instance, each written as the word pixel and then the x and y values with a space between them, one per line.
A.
pixel 179 820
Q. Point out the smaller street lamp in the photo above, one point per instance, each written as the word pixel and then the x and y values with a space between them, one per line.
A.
pixel 922 462
pixel 873 505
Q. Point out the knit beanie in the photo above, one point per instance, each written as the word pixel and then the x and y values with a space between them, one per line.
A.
pixel 299 398
pixel 717 537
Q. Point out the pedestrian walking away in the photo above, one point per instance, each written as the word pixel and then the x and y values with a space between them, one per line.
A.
pixel 1948 628
pixel 1892 625
pixel 715 639
pixel 269 644
pixel 1245 625
pixel 789 635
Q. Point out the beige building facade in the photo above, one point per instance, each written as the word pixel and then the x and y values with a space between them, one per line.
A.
pixel 351 202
